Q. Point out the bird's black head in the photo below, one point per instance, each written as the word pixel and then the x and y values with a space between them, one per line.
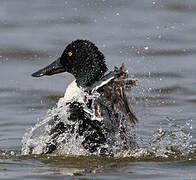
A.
pixel 80 58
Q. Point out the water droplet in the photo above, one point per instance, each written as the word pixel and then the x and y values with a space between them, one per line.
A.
pixel 160 130
pixel 157 27
pixel 146 48
pixel 12 153
pixel 159 36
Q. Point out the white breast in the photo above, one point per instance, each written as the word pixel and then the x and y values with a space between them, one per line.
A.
pixel 74 93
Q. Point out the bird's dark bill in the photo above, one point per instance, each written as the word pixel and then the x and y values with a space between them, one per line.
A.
pixel 54 68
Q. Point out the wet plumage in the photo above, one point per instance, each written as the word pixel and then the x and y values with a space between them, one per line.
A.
pixel 114 91
pixel 97 103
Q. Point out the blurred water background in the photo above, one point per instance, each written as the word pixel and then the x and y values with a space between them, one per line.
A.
pixel 156 39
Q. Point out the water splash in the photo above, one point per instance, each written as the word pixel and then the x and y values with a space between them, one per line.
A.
pixel 35 139
pixel 173 140
pixel 119 134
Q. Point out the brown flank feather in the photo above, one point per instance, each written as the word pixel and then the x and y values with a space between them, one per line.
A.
pixel 114 91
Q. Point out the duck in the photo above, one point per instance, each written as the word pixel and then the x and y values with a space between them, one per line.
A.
pixel 99 112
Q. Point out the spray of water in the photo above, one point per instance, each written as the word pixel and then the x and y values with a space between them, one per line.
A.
pixel 171 141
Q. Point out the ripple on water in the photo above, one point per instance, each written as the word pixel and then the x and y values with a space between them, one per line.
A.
pixel 145 51
pixel 22 54
pixel 159 75
pixel 179 7
pixel 19 98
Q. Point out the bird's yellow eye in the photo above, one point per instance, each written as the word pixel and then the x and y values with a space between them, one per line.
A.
pixel 70 54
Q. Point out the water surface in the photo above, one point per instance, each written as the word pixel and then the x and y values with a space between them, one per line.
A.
pixel 156 41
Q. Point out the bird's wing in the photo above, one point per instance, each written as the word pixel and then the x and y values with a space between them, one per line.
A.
pixel 114 91
pixel 125 107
